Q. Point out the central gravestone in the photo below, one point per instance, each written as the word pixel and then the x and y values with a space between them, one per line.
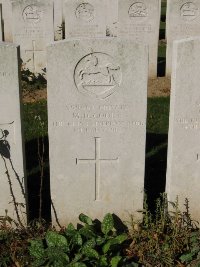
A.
pixel 140 21
pixel 97 124
pixel 85 19
pixel 33 29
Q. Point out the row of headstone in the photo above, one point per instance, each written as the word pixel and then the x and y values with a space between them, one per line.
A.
pixel 34 21
pixel 97 134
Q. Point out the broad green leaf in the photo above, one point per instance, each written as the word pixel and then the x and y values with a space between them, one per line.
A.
pixel 106 247
pixel 70 230
pixel 103 261
pixel 115 261
pixel 185 258
pixel 100 240
pixel 77 257
pixel 77 239
pixel 36 249
pixel 107 224
pixel 91 253
pixel 87 231
pixel 54 239
pixel 77 264
pixel 85 219
pixel 121 238
pixel 89 244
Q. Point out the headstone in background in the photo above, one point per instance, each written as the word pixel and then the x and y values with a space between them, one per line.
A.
pixel 11 148
pixel 33 30
pixel 85 19
pixel 1 30
pixel 58 19
pixel 7 20
pixel 184 127
pixel 97 127
pixel 112 18
pixel 182 21
pixel 140 21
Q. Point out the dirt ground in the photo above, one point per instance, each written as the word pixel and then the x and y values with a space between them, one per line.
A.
pixel 156 88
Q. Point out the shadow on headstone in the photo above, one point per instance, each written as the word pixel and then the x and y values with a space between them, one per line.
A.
pixel 33 181
pixel 155 168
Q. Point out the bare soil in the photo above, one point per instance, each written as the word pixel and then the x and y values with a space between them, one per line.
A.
pixel 157 87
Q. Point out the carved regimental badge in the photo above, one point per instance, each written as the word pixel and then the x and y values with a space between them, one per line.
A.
pixel 189 11
pixel 85 12
pixel 97 74
pixel 138 10
pixel 32 14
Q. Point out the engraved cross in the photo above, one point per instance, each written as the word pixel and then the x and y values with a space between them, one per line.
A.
pixel 97 161
pixel 33 52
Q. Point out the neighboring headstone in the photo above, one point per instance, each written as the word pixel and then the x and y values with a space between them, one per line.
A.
pixel 112 18
pixel 58 19
pixel 183 21
pixel 184 127
pixel 33 30
pixel 140 21
pixel 85 18
pixel 7 20
pixel 12 196
pixel 97 122
pixel 1 31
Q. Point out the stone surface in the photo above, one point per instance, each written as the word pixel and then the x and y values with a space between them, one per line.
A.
pixel 33 30
pixel 58 19
pixel 97 123
pixel 112 18
pixel 85 19
pixel 7 20
pixel 11 151
pixel 184 127
pixel 183 21
pixel 140 21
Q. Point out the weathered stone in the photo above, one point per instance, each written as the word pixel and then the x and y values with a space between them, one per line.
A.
pixel 33 30
pixel 112 18
pixel 183 21
pixel 184 127
pixel 140 21
pixel 85 19
pixel 97 123
pixel 58 19
pixel 11 151
pixel 7 20
pixel 1 31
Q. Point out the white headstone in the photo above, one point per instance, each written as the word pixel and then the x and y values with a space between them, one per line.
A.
pixel 140 21
pixel 11 152
pixel 184 128
pixel 183 21
pixel 85 19
pixel 97 123
pixel 7 19
pixel 33 30
pixel 58 19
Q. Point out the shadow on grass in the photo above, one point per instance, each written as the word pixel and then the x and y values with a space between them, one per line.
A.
pixel 155 168
pixel 161 66
pixel 33 181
